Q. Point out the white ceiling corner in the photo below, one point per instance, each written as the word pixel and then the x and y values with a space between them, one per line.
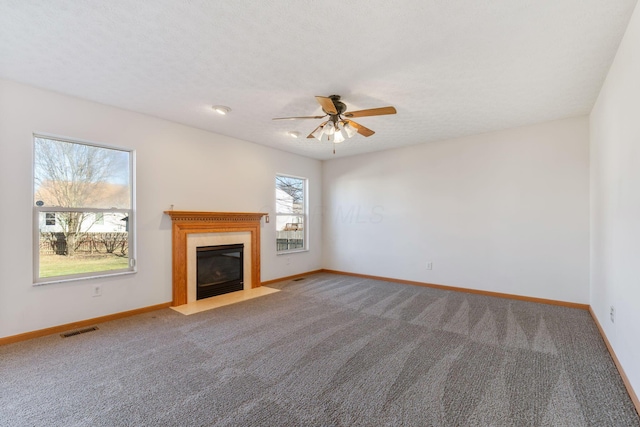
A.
pixel 450 68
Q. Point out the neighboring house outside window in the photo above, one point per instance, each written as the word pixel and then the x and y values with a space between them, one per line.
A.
pixel 291 213
pixel 82 195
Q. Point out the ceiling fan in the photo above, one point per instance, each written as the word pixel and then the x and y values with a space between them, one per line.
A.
pixel 339 126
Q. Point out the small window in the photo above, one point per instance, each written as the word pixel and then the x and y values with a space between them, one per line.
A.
pixel 99 218
pixel 83 210
pixel 291 213
pixel 50 218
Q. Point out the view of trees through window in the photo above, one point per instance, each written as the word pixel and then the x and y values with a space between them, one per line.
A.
pixel 291 215
pixel 83 200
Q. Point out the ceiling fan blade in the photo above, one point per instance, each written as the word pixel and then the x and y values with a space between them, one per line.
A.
pixel 311 134
pixel 327 104
pixel 371 112
pixel 361 129
pixel 301 117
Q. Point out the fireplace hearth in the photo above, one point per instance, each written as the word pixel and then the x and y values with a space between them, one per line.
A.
pixel 219 270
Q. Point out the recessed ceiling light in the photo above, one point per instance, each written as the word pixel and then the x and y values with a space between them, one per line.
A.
pixel 221 109
pixel 293 134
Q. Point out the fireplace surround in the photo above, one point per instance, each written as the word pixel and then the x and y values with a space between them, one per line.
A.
pixel 189 223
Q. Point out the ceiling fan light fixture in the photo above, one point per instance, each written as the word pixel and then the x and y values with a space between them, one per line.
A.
pixel 317 134
pixel 349 130
pixel 344 131
pixel 221 109
pixel 329 128
pixel 338 137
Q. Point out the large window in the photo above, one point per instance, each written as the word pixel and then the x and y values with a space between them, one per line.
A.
pixel 291 213
pixel 83 210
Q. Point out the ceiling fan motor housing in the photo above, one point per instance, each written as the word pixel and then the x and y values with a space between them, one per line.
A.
pixel 340 106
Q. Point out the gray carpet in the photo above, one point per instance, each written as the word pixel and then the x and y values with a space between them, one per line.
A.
pixel 326 351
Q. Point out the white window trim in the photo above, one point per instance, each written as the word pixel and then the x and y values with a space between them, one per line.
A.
pixel 132 236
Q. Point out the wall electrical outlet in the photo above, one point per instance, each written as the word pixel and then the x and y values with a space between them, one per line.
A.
pixel 612 314
pixel 97 291
pixel 429 265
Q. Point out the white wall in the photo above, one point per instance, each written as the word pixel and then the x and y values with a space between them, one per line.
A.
pixel 615 203
pixel 505 212
pixel 177 165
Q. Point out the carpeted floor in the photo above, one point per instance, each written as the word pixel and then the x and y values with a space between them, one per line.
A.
pixel 326 351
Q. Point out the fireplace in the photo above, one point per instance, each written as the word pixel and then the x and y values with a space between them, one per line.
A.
pixel 219 270
pixel 188 226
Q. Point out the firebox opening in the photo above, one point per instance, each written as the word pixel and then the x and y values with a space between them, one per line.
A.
pixel 219 270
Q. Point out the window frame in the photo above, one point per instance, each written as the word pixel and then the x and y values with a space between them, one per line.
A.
pixel 304 214
pixel 38 210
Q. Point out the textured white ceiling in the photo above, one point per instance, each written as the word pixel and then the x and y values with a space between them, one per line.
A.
pixel 451 68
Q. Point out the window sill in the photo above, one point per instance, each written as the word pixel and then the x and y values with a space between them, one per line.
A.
pixel 75 279
pixel 292 251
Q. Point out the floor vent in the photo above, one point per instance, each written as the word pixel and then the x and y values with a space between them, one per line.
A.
pixel 298 279
pixel 79 331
